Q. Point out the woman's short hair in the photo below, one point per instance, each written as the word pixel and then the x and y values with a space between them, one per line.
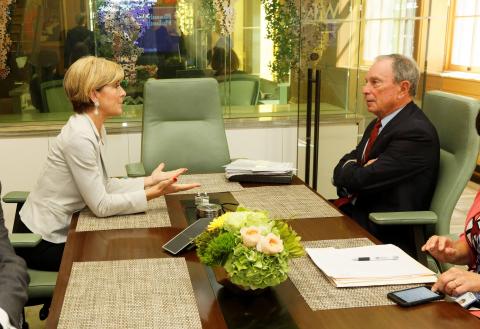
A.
pixel 87 74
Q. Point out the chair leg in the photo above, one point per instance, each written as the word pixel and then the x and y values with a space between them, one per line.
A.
pixel 43 313
pixel 24 322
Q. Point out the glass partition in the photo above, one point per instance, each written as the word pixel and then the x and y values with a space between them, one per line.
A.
pixel 161 39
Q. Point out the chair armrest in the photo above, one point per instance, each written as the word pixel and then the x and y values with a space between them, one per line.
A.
pixel 15 197
pixel 22 240
pixel 135 169
pixel 403 218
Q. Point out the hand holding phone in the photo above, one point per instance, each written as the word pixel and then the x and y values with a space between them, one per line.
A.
pixel 414 296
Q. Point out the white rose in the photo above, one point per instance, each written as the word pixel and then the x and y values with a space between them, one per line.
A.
pixel 250 235
pixel 270 244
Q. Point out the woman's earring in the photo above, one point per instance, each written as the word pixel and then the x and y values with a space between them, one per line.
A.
pixel 96 108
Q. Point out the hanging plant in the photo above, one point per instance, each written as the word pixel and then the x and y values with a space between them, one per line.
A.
pixel 184 14
pixel 283 28
pixel 207 11
pixel 122 23
pixel 218 15
pixel 225 16
pixel 5 40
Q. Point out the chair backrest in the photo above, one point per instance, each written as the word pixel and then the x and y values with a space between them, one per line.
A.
pixel 239 89
pixel 183 125
pixel 454 118
pixel 54 98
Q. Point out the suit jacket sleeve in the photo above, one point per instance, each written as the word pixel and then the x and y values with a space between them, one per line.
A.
pixel 408 153
pixel 127 198
pixel 13 278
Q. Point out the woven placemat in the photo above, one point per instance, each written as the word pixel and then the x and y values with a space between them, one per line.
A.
pixel 140 293
pixel 321 294
pixel 289 201
pixel 155 216
pixel 211 183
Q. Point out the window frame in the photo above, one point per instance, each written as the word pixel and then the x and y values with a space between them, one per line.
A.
pixel 449 66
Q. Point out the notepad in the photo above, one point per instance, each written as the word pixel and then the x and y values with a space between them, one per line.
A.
pixel 393 266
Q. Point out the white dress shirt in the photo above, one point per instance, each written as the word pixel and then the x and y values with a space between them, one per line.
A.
pixel 74 176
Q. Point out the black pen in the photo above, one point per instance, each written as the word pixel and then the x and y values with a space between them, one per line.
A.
pixel 363 259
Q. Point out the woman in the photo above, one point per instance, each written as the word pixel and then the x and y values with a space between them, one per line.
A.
pixel 464 251
pixel 75 175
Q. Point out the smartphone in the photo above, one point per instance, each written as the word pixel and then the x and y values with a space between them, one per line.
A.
pixel 184 239
pixel 414 296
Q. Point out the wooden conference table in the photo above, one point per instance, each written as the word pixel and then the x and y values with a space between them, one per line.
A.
pixel 280 307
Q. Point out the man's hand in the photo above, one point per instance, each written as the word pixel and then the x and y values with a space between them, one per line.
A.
pixel 158 175
pixel 455 282
pixel 369 162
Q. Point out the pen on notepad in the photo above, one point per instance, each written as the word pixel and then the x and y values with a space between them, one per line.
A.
pixel 376 258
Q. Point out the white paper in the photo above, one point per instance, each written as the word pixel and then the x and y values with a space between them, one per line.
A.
pixel 258 167
pixel 342 266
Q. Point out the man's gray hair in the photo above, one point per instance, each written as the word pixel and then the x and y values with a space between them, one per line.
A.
pixel 404 69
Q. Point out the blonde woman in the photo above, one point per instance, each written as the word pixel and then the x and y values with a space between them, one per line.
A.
pixel 75 175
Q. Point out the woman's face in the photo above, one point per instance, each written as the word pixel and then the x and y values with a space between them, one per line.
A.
pixel 110 97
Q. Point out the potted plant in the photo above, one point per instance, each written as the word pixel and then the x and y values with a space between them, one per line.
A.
pixel 252 248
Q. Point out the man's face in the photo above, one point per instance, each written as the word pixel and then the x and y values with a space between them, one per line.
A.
pixel 381 93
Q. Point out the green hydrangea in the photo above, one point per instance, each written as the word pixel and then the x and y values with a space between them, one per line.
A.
pixel 222 245
pixel 253 269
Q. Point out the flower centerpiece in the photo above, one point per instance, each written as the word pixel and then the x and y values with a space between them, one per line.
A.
pixel 253 249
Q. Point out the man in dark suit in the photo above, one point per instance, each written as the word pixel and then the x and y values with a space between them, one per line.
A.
pixel 13 281
pixel 395 165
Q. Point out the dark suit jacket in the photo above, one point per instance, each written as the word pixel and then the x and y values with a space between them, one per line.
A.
pixel 404 176
pixel 13 277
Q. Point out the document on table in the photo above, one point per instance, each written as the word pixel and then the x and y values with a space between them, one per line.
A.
pixel 258 167
pixel 370 266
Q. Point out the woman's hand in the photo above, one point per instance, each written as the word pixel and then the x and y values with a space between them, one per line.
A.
pixel 441 248
pixel 158 175
pixel 166 187
pixel 455 282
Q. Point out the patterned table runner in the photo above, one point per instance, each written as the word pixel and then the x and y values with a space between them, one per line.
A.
pixel 155 216
pixel 141 293
pixel 288 201
pixel 211 183
pixel 321 294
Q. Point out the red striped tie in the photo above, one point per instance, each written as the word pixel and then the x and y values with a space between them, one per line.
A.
pixel 371 141
pixel 373 136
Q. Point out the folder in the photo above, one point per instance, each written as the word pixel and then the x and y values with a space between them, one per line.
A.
pixel 370 266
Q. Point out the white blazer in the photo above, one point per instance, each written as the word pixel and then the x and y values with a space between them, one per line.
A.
pixel 75 176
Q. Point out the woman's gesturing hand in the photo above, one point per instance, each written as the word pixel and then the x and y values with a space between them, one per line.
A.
pixel 158 175
pixel 442 248
pixel 166 187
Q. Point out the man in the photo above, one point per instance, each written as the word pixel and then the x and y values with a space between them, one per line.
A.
pixel 79 42
pixel 13 281
pixel 395 165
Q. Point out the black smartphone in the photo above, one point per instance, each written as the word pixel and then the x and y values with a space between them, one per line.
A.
pixel 184 239
pixel 414 296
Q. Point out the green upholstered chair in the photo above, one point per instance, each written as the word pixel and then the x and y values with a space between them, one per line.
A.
pixel 454 118
pixel 54 98
pixel 182 127
pixel 42 283
pixel 239 89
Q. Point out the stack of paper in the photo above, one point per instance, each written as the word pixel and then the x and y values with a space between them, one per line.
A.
pixel 259 168
pixel 370 266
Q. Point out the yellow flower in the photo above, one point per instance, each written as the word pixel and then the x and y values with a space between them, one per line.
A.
pixel 216 223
